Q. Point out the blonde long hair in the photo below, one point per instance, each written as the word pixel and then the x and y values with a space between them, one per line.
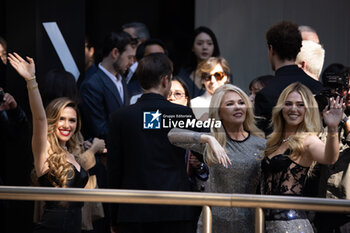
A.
pixel 310 125
pixel 59 169
pixel 214 113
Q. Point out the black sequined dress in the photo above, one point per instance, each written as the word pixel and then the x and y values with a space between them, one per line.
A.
pixel 283 176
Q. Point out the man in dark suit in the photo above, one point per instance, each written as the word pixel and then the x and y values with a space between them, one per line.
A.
pixel 140 155
pixel 284 43
pixel 105 91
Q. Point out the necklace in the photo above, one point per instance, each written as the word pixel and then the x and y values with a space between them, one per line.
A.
pixel 286 139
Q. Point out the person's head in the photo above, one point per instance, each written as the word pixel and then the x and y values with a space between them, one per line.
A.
pixel 64 124
pixel 232 106
pixel 257 84
pixel 179 93
pixel 214 73
pixel 204 44
pixel 284 42
pixel 89 53
pixel 150 46
pixel 58 83
pixel 137 30
pixel 154 72
pixel 119 50
pixel 3 50
pixel 308 33
pixel 297 112
pixel 311 58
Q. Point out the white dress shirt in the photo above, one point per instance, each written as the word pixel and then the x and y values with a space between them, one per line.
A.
pixel 116 80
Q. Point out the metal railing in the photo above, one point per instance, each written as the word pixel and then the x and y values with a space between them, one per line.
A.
pixel 258 202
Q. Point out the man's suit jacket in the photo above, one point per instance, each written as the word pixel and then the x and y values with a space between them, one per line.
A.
pixel 267 98
pixel 144 159
pixel 99 98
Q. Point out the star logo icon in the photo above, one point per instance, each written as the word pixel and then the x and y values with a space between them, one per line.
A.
pixel 152 120
pixel 156 116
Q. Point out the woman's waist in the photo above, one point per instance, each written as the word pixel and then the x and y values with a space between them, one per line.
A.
pixel 285 215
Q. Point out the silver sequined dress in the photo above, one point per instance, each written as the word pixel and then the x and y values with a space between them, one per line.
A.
pixel 241 177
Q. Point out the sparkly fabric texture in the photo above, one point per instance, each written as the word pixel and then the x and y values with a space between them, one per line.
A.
pixel 241 177
pixel 291 226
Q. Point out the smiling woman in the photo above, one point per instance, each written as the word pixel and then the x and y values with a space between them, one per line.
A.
pixel 66 124
pixel 233 151
pixel 56 144
pixel 292 148
pixel 214 73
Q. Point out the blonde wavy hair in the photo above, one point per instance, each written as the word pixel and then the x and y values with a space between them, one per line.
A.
pixel 310 125
pixel 59 169
pixel 214 113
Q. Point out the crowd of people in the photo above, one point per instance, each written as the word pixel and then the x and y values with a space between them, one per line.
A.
pixel 129 123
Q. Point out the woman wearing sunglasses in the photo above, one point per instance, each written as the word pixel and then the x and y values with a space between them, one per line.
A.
pixel 204 45
pixel 214 73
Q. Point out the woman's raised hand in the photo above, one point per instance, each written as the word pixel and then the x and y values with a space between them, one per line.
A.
pixel 24 68
pixel 334 114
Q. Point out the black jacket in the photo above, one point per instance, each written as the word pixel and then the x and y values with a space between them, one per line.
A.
pixel 144 159
pixel 267 98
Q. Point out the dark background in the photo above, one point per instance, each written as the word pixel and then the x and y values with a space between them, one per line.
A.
pixel 21 26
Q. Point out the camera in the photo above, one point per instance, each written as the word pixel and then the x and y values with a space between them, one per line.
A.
pixel 2 94
pixel 336 84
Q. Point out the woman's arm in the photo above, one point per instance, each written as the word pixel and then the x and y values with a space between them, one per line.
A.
pixel 39 141
pixel 327 153
pixel 195 141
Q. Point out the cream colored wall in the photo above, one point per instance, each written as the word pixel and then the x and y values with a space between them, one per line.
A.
pixel 240 26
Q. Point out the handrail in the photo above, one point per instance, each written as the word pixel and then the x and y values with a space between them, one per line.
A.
pixel 176 198
pixel 173 198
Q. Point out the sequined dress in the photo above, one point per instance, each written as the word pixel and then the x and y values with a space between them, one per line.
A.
pixel 282 176
pixel 242 177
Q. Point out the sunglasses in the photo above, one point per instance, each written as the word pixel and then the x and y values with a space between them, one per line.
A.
pixel 177 94
pixel 217 75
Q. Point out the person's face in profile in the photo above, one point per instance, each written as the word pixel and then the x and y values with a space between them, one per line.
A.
pixel 125 60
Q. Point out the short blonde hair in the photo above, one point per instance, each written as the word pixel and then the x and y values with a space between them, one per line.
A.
pixel 313 54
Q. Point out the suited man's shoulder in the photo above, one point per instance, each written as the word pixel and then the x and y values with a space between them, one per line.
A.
pixel 93 81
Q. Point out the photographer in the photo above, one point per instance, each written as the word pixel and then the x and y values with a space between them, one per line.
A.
pixel 333 181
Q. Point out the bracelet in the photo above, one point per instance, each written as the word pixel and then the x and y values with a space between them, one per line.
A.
pixel 34 77
pixel 332 135
pixel 32 87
